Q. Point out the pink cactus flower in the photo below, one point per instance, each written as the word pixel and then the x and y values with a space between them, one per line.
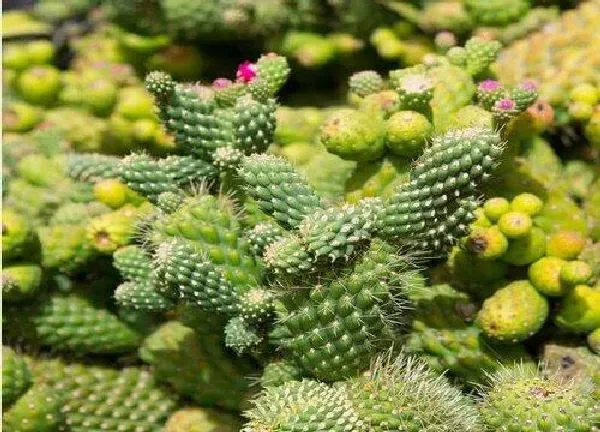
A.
pixel 489 85
pixel 246 72
pixel 505 104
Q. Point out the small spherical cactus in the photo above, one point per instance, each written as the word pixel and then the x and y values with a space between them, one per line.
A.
pixel 515 224
pixel 545 276
pixel 486 243
pixel 527 203
pixel 365 83
pixel 565 244
pixel 406 132
pixel 514 313
pixel 495 207
pixel 353 135
pixel 575 273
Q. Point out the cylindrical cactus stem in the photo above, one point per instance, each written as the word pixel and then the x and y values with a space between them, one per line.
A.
pixel 142 295
pixel 434 209
pixel 69 324
pixel 151 177
pixel 252 124
pixel 188 113
pixel 278 189
pixel 186 275
pixel 133 263
pixel 91 167
pixel 272 72
pixel 262 235
pixel 241 337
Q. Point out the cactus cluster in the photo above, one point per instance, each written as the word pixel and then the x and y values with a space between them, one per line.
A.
pixel 192 256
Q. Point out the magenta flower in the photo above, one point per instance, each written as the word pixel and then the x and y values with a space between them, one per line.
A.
pixel 528 85
pixel 505 104
pixel 489 85
pixel 246 72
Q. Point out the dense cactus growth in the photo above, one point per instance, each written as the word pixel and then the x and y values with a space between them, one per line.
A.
pixel 410 244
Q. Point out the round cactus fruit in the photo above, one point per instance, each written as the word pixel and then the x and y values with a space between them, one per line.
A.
pixel 526 203
pixel 365 83
pixel 495 207
pixel 111 192
pixel 527 249
pixel 514 313
pixel 545 275
pixel 580 310
pixel 353 135
pixel 515 224
pixel 20 117
pixel 40 85
pixel 406 133
pixel 16 377
pixel 522 399
pixel 575 273
pixel 565 244
pixel 486 243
